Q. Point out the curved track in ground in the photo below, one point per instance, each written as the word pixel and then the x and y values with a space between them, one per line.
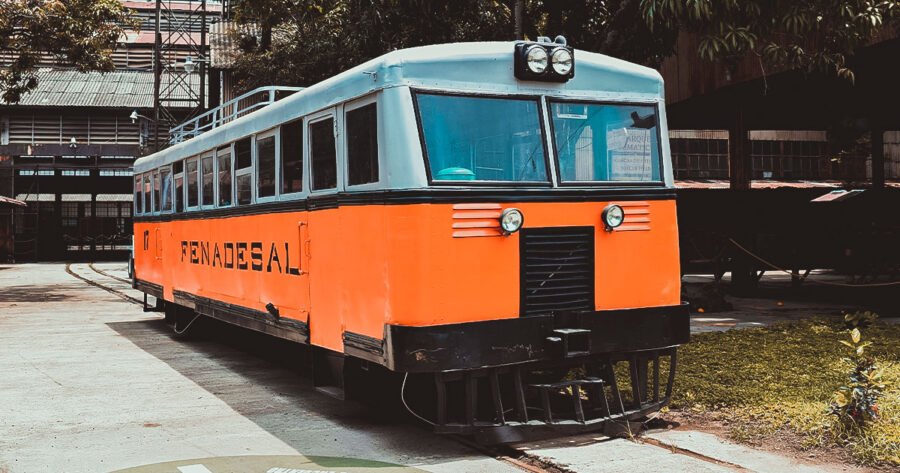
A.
pixel 121 287
pixel 76 270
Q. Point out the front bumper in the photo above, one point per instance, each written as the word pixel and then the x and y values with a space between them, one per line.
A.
pixel 512 380
pixel 492 343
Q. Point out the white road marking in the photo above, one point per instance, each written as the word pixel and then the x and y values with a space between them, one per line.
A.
pixel 193 469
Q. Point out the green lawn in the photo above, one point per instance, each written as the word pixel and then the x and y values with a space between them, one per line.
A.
pixel 782 378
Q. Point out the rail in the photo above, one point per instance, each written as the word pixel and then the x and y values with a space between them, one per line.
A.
pixel 229 111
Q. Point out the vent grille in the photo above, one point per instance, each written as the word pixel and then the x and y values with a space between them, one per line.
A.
pixel 637 216
pixel 476 220
pixel 557 270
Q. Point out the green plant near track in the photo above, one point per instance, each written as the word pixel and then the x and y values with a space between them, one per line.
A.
pixel 855 403
pixel 782 379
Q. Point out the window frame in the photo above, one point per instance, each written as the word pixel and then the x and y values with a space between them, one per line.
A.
pixel 304 178
pixel 229 148
pixel 138 194
pixel 179 198
pixel 154 180
pixel 272 132
pixel 171 189
pixel 345 157
pixel 251 171
pixel 187 188
pixel 147 198
pixel 337 124
pixel 569 100
pixel 545 137
pixel 200 204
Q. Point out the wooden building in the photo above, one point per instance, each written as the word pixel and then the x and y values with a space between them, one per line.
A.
pixel 66 149
pixel 754 149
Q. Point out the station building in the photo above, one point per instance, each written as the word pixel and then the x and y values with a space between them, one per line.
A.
pixel 800 169
pixel 66 149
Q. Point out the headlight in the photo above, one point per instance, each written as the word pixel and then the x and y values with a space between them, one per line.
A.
pixel 561 60
pixel 536 58
pixel 612 216
pixel 511 220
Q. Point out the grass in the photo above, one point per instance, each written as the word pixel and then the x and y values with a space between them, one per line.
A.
pixel 781 379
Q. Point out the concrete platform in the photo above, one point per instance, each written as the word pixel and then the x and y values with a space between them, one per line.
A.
pixel 90 383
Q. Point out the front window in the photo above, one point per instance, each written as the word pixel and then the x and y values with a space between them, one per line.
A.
pixel 606 142
pixel 483 138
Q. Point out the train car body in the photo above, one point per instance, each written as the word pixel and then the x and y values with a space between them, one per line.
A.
pixel 364 216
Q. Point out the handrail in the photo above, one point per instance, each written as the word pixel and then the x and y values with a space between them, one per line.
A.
pixel 221 115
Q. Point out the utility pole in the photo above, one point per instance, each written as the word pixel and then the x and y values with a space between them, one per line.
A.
pixel 519 18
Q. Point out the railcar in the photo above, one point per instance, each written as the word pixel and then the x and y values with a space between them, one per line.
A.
pixel 494 222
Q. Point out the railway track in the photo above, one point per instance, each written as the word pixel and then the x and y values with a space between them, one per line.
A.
pixel 106 287
pixel 112 284
pixel 521 460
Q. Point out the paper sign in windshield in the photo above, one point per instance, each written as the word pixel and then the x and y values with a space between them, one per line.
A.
pixel 629 154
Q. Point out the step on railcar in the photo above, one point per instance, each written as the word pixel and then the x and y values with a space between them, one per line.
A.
pixel 493 221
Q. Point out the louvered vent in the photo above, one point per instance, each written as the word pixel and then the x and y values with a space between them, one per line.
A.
pixel 557 270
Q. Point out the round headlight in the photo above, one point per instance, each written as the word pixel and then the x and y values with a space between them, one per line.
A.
pixel 613 216
pixel 511 220
pixel 536 58
pixel 561 60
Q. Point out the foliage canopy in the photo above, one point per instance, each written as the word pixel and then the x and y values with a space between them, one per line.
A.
pixel 304 41
pixel 82 33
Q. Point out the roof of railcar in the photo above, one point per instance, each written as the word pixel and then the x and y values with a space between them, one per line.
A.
pixel 485 67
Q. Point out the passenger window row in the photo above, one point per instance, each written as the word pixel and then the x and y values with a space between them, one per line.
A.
pixel 264 167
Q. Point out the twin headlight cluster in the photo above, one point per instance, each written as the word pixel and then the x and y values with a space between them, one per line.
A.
pixel 545 60
pixel 511 219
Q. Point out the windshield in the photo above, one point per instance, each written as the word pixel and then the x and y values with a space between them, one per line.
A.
pixel 482 138
pixel 605 142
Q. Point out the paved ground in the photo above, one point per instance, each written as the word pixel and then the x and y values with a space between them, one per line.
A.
pixel 90 383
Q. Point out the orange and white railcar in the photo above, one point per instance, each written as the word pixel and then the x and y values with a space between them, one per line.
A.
pixel 476 215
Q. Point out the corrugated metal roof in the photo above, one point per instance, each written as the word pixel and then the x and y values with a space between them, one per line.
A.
pixel 766 184
pixel 119 89
pixel 114 197
pixel 36 197
pixel 76 198
pixel 222 46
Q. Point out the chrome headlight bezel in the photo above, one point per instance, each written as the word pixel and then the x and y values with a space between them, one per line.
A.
pixel 536 59
pixel 563 58
pixel 511 220
pixel 612 216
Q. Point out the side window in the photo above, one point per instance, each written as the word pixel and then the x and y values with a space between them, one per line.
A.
pixel 223 164
pixel 193 188
pixel 147 193
pixel 265 167
pixel 362 145
pixel 206 172
pixel 156 191
pixel 243 171
pixel 292 157
pixel 165 198
pixel 322 155
pixel 178 168
pixel 138 208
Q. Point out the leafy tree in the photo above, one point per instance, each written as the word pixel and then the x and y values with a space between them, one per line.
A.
pixel 82 33
pixel 808 34
pixel 302 42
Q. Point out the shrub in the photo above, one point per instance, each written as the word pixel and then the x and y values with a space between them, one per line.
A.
pixel 856 402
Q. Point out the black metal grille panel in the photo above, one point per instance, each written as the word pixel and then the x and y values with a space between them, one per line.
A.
pixel 557 270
